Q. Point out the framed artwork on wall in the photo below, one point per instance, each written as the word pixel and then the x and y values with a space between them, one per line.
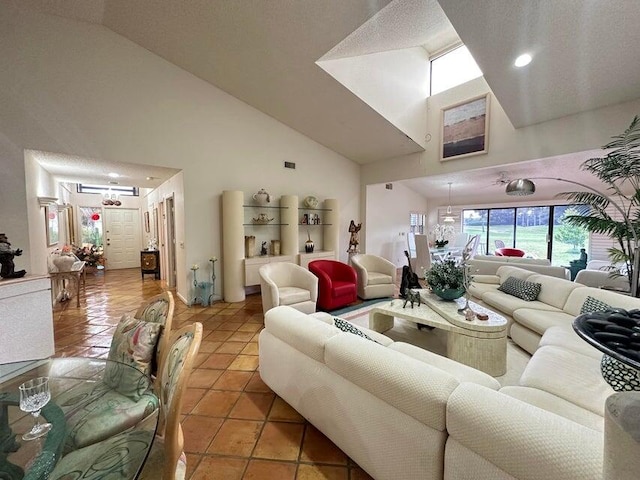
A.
pixel 147 227
pixel 51 224
pixel 465 128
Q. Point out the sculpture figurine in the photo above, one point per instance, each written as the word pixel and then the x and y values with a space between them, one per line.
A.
pixel 6 259
pixel 411 296
pixel 353 240
pixel 263 250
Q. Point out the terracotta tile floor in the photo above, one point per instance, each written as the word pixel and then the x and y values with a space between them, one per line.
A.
pixel 235 427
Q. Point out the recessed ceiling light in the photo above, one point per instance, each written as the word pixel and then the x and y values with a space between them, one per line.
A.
pixel 113 175
pixel 523 60
pixel 151 178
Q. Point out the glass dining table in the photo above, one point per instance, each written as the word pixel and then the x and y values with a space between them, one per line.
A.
pixel 89 407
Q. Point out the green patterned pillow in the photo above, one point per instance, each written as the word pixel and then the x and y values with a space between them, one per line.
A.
pixel 134 343
pixel 592 305
pixel 528 291
pixel 349 328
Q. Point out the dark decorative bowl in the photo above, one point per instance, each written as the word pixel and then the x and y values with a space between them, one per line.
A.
pixel 449 293
pixel 616 333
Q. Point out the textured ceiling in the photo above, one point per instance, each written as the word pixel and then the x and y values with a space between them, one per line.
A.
pixel 483 185
pixel 585 53
pixel 264 53
pixel 72 169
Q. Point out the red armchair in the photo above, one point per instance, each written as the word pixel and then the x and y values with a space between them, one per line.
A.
pixel 336 283
pixel 509 252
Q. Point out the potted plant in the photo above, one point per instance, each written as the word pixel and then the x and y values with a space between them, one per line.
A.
pixel 619 171
pixel 446 279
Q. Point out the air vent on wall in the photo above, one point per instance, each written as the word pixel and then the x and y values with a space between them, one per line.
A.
pixel 290 165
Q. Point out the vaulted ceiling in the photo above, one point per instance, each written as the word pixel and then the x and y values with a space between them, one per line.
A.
pixel 265 54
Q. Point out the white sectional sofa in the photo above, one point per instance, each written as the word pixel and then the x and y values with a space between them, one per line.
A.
pixel 489 264
pixel 403 413
pixel 558 303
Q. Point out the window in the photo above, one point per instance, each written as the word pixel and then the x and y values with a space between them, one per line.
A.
pixel 91 226
pixel 539 231
pixel 416 223
pixel 108 189
pixel 452 69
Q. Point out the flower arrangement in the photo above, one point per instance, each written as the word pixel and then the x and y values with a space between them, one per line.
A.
pixel 441 234
pixel 92 255
pixel 446 275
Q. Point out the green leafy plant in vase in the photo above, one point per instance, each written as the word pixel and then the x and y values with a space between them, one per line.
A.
pixel 446 279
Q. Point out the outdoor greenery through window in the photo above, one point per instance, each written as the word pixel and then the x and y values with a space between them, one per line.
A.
pixel 539 231
pixel 91 226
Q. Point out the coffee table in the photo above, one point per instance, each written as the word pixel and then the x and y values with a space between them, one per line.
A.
pixel 481 344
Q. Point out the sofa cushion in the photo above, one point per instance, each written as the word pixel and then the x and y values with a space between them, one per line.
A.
pixel 305 333
pixel 555 404
pixel 506 271
pixel 341 289
pixel 348 327
pixel 462 372
pixel 521 288
pixel 378 337
pixel 554 291
pixel 393 377
pixel 377 278
pixel 569 375
pixel 508 303
pixel 478 289
pixel 293 295
pixel 579 295
pixel 540 320
pixel 592 305
pixel 565 337
pixel 133 343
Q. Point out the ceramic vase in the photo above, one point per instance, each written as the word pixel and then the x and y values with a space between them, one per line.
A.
pixel 449 293
pixel 309 246
pixel 275 247
pixel 249 246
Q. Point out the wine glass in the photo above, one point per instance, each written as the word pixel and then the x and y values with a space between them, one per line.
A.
pixel 35 394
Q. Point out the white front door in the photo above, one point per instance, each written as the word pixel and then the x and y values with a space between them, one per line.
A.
pixel 122 237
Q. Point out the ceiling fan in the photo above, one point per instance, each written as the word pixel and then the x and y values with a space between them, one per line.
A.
pixel 503 179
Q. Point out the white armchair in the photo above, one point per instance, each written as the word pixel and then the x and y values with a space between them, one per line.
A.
pixel 376 276
pixel 284 283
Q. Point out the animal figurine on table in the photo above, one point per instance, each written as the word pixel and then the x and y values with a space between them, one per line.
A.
pixel 263 250
pixel 411 296
pixel 6 259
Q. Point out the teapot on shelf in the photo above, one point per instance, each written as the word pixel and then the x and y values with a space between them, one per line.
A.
pixel 262 197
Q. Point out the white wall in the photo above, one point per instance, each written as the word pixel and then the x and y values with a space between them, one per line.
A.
pixel 80 89
pixel 574 133
pixel 387 220
pixel 394 83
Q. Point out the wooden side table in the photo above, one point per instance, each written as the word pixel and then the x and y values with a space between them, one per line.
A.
pixel 150 263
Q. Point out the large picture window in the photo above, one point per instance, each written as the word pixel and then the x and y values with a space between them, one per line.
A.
pixel 539 231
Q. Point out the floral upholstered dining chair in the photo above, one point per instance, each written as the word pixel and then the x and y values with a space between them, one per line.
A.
pixel 119 457
pixel 158 309
pixel 167 460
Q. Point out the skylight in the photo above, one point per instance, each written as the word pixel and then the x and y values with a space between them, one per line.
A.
pixel 452 69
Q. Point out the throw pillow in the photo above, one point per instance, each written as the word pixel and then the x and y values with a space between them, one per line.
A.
pixel 592 305
pixel 347 327
pixel 134 343
pixel 528 291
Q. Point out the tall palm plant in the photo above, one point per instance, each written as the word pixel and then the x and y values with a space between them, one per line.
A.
pixel 619 171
